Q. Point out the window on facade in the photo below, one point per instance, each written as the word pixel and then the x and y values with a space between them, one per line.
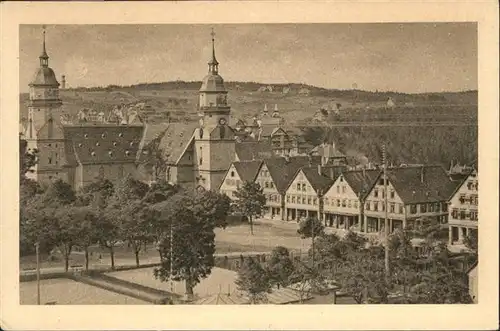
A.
pixel 355 204
pixel 382 206
pixel 367 205
pixel 50 160
pixel 413 209
pixel 338 189
pixel 431 208
pixel 308 200
pixel 343 189
pixel 315 201
pixel 338 202
pixel 375 193
pixel 383 194
pixel 298 186
pixel 454 213
pixel 401 208
pixel 304 200
pixel 473 215
pixel 393 208
pixel 232 173
pixel 266 185
pixel 375 206
pixel 287 198
pixel 349 204
pixel 344 203
pixel 303 187
pixel 293 198
pixel 462 199
pixel 462 214
pixel 423 208
pixel 392 195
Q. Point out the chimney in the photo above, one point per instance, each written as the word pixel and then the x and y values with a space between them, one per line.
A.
pixel 422 174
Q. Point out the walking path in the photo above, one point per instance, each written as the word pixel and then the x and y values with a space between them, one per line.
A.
pixel 106 266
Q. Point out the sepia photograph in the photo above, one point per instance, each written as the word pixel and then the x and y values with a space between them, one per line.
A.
pixel 202 164
pixel 331 166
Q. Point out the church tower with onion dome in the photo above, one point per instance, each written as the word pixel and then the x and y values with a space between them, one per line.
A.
pixel 214 146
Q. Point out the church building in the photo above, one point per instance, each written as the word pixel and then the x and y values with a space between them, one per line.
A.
pixel 199 154
pixel 78 151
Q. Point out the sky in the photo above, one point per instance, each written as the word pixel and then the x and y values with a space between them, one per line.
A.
pixel 407 57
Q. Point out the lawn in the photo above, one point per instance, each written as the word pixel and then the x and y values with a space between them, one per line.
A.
pixel 235 238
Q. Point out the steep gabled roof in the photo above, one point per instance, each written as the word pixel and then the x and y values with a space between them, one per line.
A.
pixel 175 140
pixel 361 180
pixel 461 182
pixel 253 150
pixel 318 181
pixel 247 170
pixel 283 170
pixel 407 181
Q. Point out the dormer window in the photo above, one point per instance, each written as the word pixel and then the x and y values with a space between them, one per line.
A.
pixel 86 136
pixel 97 144
pixel 127 153
pixel 120 135
pixel 80 145
pixel 132 144
pixel 92 153
pixel 115 143
pixel 110 153
pixel 103 135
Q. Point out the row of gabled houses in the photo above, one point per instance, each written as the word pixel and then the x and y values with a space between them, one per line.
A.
pixel 301 186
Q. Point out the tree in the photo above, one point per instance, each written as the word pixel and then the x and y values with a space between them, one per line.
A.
pixel 307 279
pixel 96 196
pixel 27 159
pixel 189 256
pixel 403 258
pixel 280 266
pixel 72 228
pixel 212 207
pixel 250 201
pixel 471 241
pixel 87 219
pixel 311 228
pixel 130 213
pixel 363 277
pixel 38 216
pixel 253 279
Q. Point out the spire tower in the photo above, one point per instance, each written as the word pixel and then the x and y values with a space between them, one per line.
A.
pixel 213 65
pixel 44 58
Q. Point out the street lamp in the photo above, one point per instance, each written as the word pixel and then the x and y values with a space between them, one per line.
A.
pixel 37 249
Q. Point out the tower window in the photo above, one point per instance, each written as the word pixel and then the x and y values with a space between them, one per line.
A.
pixel 50 160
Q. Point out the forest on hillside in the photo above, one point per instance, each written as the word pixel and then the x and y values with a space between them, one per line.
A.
pixel 425 144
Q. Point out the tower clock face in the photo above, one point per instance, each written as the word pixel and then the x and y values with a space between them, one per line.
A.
pixel 222 121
